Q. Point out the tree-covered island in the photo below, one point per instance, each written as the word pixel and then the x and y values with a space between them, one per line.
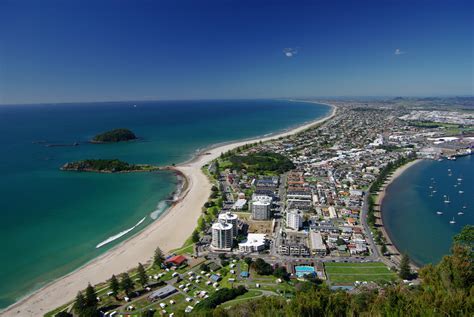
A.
pixel 117 135
pixel 107 166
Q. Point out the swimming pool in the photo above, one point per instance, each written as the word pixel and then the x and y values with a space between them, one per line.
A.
pixel 303 270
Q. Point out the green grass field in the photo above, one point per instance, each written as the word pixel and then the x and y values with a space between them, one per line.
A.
pixel 348 273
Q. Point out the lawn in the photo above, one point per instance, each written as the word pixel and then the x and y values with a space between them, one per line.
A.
pixel 331 264
pixel 250 294
pixel 358 270
pixel 348 273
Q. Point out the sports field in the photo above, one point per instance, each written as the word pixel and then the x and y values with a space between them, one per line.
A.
pixel 348 273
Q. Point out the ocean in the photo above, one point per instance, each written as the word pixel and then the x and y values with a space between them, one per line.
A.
pixel 410 208
pixel 53 221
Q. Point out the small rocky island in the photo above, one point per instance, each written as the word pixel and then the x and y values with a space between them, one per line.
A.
pixel 107 166
pixel 113 136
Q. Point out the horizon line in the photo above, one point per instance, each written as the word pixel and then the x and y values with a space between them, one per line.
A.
pixel 342 97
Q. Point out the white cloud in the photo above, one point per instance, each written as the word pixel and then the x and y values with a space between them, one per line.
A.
pixel 399 52
pixel 290 52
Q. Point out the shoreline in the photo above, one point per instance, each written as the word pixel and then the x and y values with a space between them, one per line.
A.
pixel 391 247
pixel 185 211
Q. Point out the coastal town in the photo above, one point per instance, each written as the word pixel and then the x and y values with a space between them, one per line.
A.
pixel 300 207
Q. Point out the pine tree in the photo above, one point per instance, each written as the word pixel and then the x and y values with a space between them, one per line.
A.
pixel 79 304
pixel 126 283
pixel 142 276
pixel 405 268
pixel 158 258
pixel 114 285
pixel 91 299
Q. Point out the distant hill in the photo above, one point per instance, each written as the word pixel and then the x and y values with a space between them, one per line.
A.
pixel 117 135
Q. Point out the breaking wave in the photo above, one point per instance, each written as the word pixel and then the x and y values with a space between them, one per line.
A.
pixel 160 208
pixel 119 235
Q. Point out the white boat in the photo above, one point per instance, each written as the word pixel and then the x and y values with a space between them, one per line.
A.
pixel 459 179
pixel 439 212
pixel 434 191
pixel 460 213
pixel 452 221
pixel 446 200
pixel 461 191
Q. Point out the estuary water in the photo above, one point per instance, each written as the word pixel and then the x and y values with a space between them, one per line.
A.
pixel 413 203
pixel 52 222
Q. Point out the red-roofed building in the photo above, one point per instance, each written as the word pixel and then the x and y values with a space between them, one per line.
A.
pixel 176 260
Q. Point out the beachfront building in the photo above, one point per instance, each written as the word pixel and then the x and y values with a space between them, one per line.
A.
pixel 230 218
pixel 294 219
pixel 255 242
pixel 176 261
pixel 317 245
pixel 222 236
pixel 261 207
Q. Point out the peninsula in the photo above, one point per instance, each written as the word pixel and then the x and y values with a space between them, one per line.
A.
pixel 107 166
pixel 114 136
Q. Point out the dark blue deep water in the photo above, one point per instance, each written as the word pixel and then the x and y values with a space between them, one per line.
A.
pixel 410 213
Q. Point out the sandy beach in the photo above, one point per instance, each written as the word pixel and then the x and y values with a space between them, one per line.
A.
pixel 392 248
pixel 169 232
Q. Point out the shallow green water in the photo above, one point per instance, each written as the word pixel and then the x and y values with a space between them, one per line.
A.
pixel 52 221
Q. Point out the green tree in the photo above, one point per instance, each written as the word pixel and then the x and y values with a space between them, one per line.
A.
pixel 79 304
pixel 262 267
pixel 383 248
pixel 195 236
pixel 91 301
pixel 281 272
pixel 158 257
pixel 466 236
pixel 405 272
pixel 204 267
pixel 201 224
pixel 114 285
pixel 126 283
pixel 248 261
pixel 142 276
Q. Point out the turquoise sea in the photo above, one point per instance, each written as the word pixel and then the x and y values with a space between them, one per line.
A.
pixel 52 221
pixel 410 207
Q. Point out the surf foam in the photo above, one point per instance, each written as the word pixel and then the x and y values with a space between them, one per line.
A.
pixel 119 235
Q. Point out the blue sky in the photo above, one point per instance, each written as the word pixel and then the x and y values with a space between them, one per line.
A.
pixel 70 50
